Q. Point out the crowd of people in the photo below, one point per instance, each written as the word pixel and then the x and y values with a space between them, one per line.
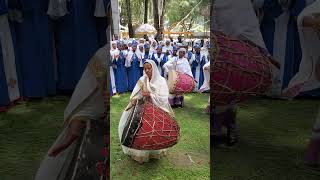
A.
pixel 128 57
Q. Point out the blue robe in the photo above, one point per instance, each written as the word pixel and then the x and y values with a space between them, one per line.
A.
pixel 121 74
pixel 292 56
pixel 33 47
pixel 162 62
pixel 146 56
pixel 78 36
pixel 134 72
pixel 189 55
pixel 198 62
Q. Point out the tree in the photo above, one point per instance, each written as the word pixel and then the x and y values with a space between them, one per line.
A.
pixel 158 16
pixel 129 16
pixel 145 19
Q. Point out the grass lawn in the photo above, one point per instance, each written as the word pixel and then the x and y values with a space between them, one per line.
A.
pixel 273 140
pixel 26 133
pixel 194 142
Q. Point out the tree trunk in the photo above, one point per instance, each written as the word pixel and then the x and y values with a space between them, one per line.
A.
pixel 146 3
pixel 156 23
pixel 158 17
pixel 161 17
pixel 129 15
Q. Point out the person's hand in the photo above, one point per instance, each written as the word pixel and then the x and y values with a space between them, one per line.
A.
pixel 145 93
pixel 134 102
pixel 207 68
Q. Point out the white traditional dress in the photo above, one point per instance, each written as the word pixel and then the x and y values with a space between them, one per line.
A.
pixel 159 92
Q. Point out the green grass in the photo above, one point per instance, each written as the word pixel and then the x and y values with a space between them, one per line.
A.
pixel 273 140
pixel 26 133
pixel 194 141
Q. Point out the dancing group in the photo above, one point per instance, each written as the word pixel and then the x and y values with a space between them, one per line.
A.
pixel 158 78
pixel 238 22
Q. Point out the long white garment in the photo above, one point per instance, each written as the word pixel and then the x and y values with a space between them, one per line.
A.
pixel 9 58
pixel 159 93
pixel 305 79
pixel 206 73
pixel 113 53
pixel 86 102
pixel 182 65
pixel 168 65
pixel 237 19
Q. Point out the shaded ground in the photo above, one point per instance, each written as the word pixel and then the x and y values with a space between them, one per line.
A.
pixel 26 133
pixel 273 140
pixel 189 159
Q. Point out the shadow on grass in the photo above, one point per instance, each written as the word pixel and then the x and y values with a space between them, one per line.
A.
pixel 272 143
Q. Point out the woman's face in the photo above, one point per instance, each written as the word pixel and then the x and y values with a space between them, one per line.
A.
pixel 181 54
pixel 148 69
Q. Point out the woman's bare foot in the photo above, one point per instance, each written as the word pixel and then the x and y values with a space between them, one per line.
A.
pixel 74 132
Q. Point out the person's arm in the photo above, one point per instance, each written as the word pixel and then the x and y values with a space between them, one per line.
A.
pixel 312 21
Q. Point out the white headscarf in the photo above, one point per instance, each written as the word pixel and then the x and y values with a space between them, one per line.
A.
pixel 156 86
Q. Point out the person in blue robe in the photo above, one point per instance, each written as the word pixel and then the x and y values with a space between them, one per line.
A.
pixel 160 59
pixel 120 70
pixel 197 64
pixel 280 33
pixel 33 44
pixel 147 54
pixel 78 35
pixel 133 67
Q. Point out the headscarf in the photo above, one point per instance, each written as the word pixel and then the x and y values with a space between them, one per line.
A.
pixel 182 49
pixel 156 86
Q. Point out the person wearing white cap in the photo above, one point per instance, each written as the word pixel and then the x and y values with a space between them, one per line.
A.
pixel 153 47
pixel 132 64
pixel 167 48
pixel 180 64
pixel 160 59
pixel 197 62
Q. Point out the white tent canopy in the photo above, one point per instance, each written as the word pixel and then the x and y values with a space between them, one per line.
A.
pixel 145 28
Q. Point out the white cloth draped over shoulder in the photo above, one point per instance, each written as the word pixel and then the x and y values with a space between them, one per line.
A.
pixel 306 78
pixel 178 64
pixel 86 103
pixel 9 59
pixel 159 93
